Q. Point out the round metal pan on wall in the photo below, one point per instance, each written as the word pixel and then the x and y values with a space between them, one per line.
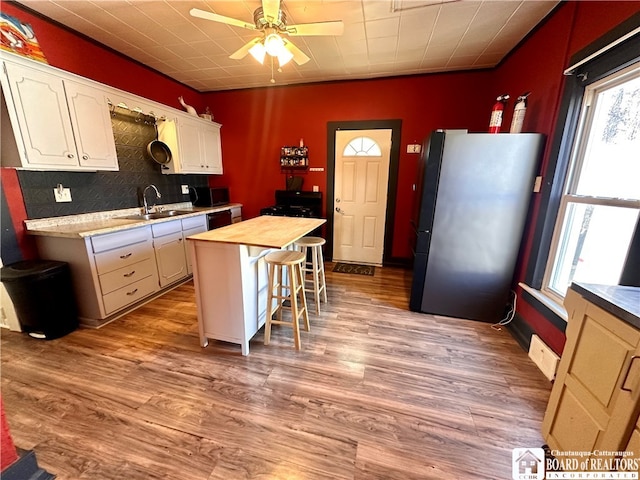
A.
pixel 159 151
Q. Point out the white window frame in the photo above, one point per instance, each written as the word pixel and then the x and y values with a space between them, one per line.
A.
pixel 575 166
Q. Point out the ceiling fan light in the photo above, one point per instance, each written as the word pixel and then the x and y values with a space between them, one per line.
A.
pixel 258 52
pixel 284 57
pixel 273 44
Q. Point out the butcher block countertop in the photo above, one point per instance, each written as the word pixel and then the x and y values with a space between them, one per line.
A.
pixel 266 231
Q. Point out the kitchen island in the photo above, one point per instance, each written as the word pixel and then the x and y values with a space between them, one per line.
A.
pixel 230 274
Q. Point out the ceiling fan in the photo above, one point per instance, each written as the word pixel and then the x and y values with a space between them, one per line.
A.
pixel 272 22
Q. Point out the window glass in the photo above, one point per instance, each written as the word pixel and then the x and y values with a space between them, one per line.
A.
pixel 593 246
pixel 600 208
pixel 611 163
pixel 362 147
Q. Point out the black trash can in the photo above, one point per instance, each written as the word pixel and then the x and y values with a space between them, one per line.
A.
pixel 42 295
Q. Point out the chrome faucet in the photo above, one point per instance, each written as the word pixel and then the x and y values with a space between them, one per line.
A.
pixel 146 207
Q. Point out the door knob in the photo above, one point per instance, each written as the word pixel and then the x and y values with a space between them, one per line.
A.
pixel 339 211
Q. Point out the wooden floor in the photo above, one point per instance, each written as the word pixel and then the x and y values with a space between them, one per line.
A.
pixel 377 392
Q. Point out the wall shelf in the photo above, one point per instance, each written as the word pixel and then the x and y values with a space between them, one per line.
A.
pixel 294 157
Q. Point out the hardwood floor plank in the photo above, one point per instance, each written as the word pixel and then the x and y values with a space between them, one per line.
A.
pixel 377 392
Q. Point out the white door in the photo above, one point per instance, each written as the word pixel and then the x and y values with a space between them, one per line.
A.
pixel 360 201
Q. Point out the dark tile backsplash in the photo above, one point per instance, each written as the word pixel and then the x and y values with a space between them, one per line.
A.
pixel 99 191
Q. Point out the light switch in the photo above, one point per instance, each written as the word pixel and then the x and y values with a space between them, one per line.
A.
pixel 185 189
pixel 413 148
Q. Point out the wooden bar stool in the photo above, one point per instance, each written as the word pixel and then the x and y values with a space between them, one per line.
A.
pixel 276 261
pixel 315 267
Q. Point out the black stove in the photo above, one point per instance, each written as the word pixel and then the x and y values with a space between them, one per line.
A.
pixel 292 203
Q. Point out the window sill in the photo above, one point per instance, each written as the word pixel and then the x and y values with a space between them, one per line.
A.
pixel 548 302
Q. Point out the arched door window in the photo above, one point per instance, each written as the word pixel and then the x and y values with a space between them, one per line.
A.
pixel 362 147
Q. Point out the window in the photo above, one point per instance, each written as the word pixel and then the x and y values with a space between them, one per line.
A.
pixel 362 147
pixel 600 204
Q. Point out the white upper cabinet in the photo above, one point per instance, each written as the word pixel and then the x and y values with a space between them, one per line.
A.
pixel 58 124
pixel 194 143
pixel 94 134
pixel 62 121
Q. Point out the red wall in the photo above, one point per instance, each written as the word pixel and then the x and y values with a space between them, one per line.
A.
pixel 257 122
pixel 537 66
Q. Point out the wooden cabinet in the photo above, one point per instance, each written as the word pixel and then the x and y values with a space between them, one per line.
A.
pixel 595 400
pixel 194 143
pixel 58 124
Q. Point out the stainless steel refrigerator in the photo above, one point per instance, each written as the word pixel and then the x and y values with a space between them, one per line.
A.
pixel 472 197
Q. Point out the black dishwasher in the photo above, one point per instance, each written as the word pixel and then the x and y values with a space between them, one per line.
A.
pixel 218 219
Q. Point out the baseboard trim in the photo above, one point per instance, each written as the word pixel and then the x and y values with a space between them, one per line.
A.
pixel 521 331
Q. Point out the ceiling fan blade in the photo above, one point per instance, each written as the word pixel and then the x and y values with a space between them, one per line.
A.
pixel 244 50
pixel 335 27
pixel 271 10
pixel 196 12
pixel 298 55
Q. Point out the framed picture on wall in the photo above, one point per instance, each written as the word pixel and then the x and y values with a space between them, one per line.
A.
pixel 18 37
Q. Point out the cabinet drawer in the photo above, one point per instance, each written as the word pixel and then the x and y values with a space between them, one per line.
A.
pixel 126 275
pixel 166 228
pixel 194 222
pixel 121 257
pixel 110 241
pixel 130 294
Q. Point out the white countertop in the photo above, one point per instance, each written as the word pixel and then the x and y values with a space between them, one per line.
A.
pixel 99 223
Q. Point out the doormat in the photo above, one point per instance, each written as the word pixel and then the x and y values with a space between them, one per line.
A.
pixel 354 269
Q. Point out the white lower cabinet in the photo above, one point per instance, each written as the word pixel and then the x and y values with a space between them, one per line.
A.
pixel 111 273
pixel 172 252
pixel 192 226
pixel 170 257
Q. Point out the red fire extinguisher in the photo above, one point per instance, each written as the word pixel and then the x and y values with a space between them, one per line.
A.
pixel 496 113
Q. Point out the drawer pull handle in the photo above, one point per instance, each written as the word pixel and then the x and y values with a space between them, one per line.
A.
pixel 132 291
pixel 635 357
pixel 130 273
pixel 126 256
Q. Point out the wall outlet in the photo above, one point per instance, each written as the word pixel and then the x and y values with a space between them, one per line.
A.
pixel 62 195
pixel 185 189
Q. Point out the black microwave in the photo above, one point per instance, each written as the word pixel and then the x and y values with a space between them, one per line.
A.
pixel 209 196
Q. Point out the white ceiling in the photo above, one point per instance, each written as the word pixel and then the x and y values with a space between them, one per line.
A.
pixel 381 37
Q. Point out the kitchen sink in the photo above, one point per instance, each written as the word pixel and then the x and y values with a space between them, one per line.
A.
pixel 157 215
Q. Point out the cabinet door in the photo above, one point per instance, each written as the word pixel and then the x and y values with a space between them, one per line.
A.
pixel 43 117
pixel 192 226
pixel 212 150
pixel 170 257
pixel 597 389
pixel 92 127
pixel 190 154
